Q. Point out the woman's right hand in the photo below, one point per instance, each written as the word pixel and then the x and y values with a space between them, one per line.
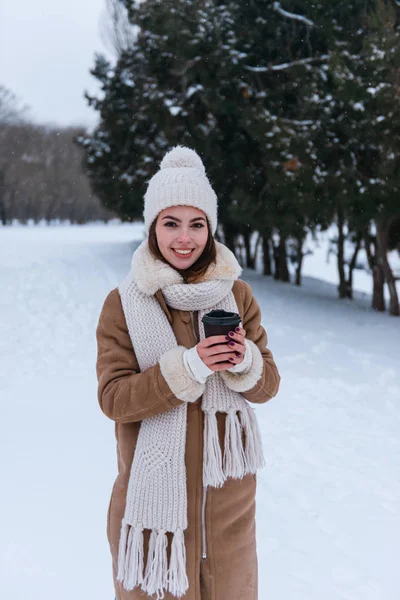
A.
pixel 214 349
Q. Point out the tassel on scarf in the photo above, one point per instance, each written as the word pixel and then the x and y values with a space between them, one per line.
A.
pixel 130 557
pixel 122 551
pixel 234 459
pixel 134 559
pixel 178 582
pixel 253 451
pixel 155 579
pixel 213 473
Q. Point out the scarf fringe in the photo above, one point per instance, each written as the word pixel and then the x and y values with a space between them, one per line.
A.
pixel 178 582
pixel 155 579
pixel 158 577
pixel 234 457
pixel 134 558
pixel 122 551
pixel 253 450
pixel 213 473
pixel 237 460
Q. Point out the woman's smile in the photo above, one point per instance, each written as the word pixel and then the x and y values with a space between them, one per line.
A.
pixel 183 253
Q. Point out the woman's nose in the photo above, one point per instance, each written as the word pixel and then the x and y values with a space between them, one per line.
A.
pixel 183 236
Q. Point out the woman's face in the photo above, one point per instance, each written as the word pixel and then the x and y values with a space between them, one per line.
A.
pixel 181 228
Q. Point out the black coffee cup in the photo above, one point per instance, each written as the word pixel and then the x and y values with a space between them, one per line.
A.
pixel 220 322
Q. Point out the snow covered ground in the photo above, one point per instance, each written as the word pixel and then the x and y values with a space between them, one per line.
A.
pixel 328 501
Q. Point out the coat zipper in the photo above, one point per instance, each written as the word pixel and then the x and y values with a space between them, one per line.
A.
pixel 204 499
pixel 203 525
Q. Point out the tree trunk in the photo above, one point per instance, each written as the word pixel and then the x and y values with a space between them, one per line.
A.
pixel 340 256
pixel 378 279
pixel 277 260
pixel 3 216
pixel 254 254
pixel 267 267
pixel 249 259
pixel 382 239
pixel 283 268
pixel 378 297
pixel 349 282
pixel 370 257
pixel 298 269
pixel 230 238
pixel 300 257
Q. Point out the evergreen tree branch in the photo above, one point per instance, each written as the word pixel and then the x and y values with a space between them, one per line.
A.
pixel 302 61
pixel 289 15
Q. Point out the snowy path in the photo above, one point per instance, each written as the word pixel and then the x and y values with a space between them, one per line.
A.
pixel 328 501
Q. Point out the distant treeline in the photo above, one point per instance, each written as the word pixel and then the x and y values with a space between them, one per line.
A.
pixel 294 107
pixel 41 175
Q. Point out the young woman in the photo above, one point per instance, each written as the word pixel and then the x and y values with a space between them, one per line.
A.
pixel 181 520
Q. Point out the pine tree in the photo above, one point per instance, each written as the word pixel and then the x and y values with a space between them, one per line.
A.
pixel 358 142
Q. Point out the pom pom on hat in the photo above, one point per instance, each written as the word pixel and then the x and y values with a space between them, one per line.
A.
pixel 180 181
pixel 182 157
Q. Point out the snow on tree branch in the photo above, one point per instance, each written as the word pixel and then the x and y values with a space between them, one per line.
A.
pixel 296 122
pixel 287 65
pixel 289 15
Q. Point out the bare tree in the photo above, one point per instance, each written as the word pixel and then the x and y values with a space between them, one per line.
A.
pixel 116 31
pixel 11 110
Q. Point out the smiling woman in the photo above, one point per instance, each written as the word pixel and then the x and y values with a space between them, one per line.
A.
pixel 188 440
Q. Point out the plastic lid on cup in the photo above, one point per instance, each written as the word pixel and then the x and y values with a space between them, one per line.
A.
pixel 221 317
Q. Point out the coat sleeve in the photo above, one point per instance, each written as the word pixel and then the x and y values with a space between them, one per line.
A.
pixel 261 382
pixel 125 394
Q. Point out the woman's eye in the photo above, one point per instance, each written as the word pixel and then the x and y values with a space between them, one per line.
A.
pixel 196 225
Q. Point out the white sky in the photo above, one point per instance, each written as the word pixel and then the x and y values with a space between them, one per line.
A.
pixel 46 50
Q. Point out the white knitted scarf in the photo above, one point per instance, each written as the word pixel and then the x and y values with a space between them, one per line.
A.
pixel 157 495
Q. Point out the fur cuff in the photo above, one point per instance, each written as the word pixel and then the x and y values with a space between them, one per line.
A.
pixel 175 374
pixel 243 382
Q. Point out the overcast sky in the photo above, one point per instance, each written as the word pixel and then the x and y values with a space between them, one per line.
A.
pixel 46 50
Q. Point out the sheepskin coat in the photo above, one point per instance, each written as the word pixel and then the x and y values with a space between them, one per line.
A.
pixel 221 538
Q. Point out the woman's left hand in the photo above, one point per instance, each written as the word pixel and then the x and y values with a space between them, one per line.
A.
pixel 236 343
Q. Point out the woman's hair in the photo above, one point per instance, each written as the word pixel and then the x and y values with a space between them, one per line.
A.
pixel 197 270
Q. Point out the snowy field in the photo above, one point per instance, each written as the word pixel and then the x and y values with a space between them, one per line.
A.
pixel 328 501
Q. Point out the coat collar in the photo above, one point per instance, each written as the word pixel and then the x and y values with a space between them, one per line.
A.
pixel 150 274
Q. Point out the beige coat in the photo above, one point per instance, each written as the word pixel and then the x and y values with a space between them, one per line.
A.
pixel 220 539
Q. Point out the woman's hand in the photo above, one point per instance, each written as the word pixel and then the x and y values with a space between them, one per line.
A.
pixel 220 352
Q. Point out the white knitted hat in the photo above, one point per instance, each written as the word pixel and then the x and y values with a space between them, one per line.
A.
pixel 181 180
